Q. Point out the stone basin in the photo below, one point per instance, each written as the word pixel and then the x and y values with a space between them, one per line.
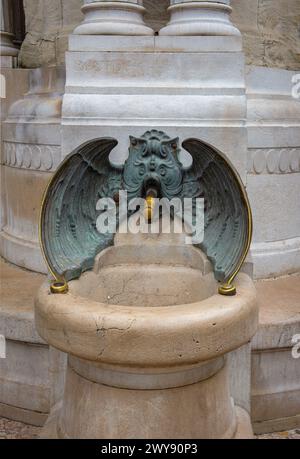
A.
pixel 147 336
pixel 155 271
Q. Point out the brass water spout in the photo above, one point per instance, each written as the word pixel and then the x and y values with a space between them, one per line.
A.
pixel 150 205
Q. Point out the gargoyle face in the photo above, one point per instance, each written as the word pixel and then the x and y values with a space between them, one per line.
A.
pixel 153 163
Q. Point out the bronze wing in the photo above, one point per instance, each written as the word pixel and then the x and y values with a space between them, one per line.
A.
pixel 228 220
pixel 68 233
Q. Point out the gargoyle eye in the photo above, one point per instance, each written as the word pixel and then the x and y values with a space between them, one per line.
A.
pixel 162 171
pixel 142 170
pixel 145 150
pixel 164 152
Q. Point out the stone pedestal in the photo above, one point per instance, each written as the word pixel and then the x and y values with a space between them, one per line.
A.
pixel 119 17
pixel 149 342
pixel 200 17
pixel 147 372
pixel 193 402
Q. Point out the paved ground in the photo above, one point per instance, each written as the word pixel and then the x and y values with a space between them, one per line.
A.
pixel 291 435
pixel 12 429
pixel 17 430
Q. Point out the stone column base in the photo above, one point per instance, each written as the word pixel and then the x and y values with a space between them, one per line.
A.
pixel 113 18
pixel 8 51
pixel 200 18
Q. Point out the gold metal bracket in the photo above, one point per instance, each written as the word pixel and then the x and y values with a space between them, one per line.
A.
pixel 58 287
pixel 227 290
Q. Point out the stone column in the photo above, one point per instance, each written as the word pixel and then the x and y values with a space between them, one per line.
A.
pixel 120 17
pixel 31 152
pixel 7 48
pixel 200 17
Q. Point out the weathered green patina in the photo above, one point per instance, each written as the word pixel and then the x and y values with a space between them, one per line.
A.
pixel 69 236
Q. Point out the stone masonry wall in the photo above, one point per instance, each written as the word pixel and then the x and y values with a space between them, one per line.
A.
pixel 270 29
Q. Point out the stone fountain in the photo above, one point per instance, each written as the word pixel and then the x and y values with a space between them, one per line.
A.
pixel 147 318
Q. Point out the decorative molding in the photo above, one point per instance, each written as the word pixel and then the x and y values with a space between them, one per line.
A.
pixel 34 157
pixel 273 161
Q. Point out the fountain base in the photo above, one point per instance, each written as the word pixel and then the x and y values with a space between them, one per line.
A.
pixel 105 403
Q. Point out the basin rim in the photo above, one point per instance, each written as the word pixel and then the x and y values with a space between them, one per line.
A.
pixel 152 337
